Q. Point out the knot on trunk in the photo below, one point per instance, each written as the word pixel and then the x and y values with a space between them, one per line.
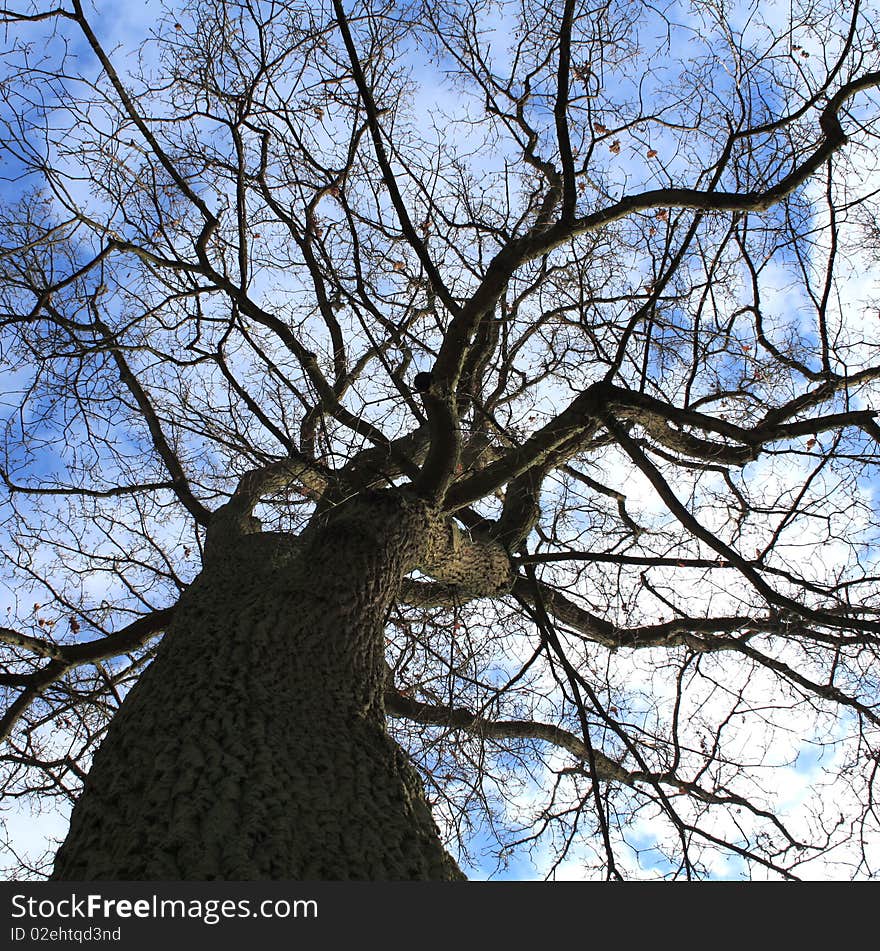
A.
pixel 478 566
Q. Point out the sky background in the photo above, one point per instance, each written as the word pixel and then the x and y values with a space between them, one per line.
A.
pixel 121 27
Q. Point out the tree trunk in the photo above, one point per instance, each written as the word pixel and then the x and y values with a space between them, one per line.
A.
pixel 254 746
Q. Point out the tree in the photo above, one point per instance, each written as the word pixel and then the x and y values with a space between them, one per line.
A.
pixel 455 413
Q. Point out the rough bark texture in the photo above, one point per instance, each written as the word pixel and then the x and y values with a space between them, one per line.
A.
pixel 254 746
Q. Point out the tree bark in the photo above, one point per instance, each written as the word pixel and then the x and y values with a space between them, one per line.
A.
pixel 254 746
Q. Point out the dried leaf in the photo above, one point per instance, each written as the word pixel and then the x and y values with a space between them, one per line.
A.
pixel 651 153
pixel 614 148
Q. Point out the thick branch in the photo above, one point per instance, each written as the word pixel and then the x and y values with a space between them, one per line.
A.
pixel 400 706
pixel 699 634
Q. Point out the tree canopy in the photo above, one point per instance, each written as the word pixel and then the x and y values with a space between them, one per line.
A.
pixel 598 281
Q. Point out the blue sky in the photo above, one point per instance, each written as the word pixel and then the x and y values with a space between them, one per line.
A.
pixel 122 28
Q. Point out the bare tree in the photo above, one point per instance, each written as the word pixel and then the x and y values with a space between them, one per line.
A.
pixel 453 414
